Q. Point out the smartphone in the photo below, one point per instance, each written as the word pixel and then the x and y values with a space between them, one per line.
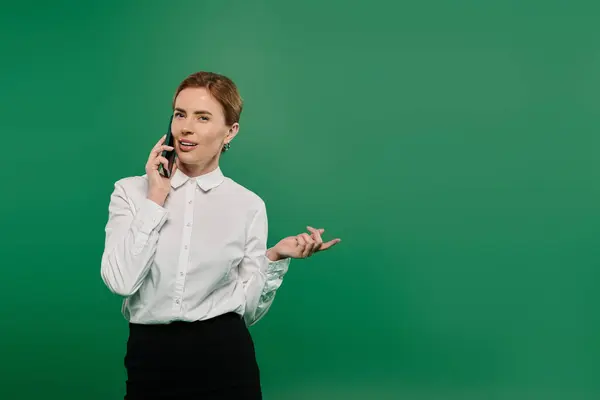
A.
pixel 169 155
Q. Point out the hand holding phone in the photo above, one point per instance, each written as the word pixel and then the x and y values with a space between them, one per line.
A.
pixel 168 154
pixel 159 168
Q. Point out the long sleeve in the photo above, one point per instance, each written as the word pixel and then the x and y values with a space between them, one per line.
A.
pixel 261 277
pixel 130 244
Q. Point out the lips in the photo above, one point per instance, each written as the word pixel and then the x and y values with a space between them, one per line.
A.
pixel 186 145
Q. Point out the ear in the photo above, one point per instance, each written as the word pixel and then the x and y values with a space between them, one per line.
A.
pixel 232 132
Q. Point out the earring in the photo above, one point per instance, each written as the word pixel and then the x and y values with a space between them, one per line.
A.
pixel 226 147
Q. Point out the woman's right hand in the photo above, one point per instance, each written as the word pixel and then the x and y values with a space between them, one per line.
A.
pixel 158 186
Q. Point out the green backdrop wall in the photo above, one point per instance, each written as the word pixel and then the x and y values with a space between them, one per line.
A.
pixel 453 146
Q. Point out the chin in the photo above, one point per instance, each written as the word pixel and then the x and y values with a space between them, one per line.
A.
pixel 192 157
pixel 188 159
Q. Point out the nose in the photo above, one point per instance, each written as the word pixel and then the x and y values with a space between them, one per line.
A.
pixel 186 127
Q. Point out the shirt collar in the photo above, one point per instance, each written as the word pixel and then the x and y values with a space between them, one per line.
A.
pixel 206 181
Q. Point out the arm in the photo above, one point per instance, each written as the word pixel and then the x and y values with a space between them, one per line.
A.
pixel 130 242
pixel 260 276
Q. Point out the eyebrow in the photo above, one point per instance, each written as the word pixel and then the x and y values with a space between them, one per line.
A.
pixel 197 112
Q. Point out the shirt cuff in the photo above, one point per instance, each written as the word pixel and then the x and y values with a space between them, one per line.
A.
pixel 150 216
pixel 279 267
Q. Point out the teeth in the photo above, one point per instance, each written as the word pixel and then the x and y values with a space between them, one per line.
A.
pixel 188 144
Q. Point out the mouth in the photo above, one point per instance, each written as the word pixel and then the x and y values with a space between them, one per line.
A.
pixel 186 145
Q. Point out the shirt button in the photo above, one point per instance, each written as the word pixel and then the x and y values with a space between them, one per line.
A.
pixel 189 224
pixel 177 301
pixel 186 246
pixel 181 274
pixel 190 202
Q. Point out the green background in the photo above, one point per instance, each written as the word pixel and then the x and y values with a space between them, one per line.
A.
pixel 452 145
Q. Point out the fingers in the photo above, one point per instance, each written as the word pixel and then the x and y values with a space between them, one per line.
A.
pixel 164 162
pixel 320 246
pixel 165 147
pixel 330 244
pixel 310 243
pixel 158 144
pixel 155 158
pixel 174 167
pixel 156 151
pixel 157 161
pixel 316 235
pixel 160 141
pixel 301 244
pixel 305 244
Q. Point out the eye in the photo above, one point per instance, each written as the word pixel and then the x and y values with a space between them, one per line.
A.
pixel 178 114
pixel 203 118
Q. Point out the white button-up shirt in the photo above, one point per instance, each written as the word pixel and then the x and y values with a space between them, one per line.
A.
pixel 202 254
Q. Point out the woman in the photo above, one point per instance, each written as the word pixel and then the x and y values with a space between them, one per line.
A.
pixel 188 254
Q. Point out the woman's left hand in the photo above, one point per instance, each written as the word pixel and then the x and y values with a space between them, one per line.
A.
pixel 301 246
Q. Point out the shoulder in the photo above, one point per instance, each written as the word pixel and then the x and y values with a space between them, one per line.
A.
pixel 243 196
pixel 132 185
pixel 248 205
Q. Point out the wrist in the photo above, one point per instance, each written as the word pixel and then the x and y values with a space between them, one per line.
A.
pixel 274 255
pixel 158 198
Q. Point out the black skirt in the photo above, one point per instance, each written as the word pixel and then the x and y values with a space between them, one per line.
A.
pixel 211 359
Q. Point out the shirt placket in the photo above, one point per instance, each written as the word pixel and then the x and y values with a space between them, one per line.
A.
pixel 184 254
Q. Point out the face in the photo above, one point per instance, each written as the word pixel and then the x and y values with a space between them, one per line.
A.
pixel 199 127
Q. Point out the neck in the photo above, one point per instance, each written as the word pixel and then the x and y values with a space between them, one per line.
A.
pixel 194 170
